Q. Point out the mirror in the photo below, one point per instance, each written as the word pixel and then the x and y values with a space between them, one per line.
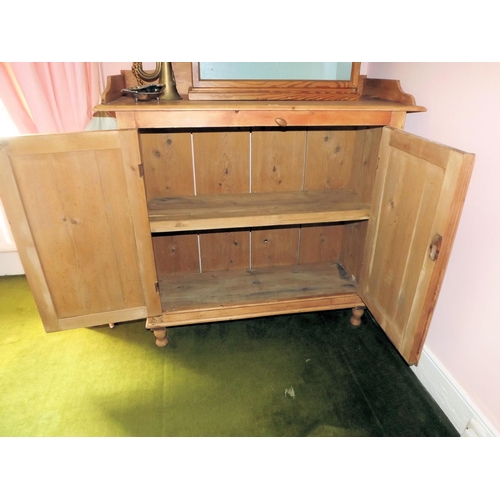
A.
pixel 328 81
pixel 275 71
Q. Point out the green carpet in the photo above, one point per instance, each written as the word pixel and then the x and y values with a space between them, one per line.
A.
pixel 297 375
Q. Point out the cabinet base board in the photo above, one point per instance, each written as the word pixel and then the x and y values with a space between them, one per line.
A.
pixel 229 295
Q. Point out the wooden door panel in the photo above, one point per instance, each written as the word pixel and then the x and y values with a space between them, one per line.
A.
pixel 77 207
pixel 418 196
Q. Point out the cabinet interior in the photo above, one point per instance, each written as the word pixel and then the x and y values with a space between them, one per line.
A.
pixel 242 218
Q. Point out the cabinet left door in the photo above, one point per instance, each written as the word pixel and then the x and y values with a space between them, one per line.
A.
pixel 77 209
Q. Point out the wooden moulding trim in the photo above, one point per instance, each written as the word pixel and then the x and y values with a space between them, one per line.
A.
pixel 113 90
pixel 273 90
pixel 341 301
pixel 389 90
pixel 235 94
pixel 103 318
pixel 244 118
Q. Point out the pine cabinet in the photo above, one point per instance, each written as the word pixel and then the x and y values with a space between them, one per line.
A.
pixel 196 212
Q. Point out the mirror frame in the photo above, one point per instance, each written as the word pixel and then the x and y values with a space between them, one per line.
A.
pixel 274 90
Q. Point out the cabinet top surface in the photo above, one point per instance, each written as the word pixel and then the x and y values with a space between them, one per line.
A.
pixel 127 104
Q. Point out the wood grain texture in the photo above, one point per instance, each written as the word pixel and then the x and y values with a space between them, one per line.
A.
pixel 229 295
pixel 222 166
pixel 89 243
pixel 191 213
pixel 168 171
pixel 419 193
pixel 278 165
pixel 361 182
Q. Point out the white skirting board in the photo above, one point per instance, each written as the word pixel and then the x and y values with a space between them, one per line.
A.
pixel 10 264
pixel 452 399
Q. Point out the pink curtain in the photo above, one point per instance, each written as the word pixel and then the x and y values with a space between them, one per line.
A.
pixel 45 97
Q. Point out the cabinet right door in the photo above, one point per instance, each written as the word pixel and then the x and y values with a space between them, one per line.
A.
pixel 418 196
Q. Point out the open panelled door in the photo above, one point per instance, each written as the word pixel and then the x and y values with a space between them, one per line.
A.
pixel 77 209
pixel 419 192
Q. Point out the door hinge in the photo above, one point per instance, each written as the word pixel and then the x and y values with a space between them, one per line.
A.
pixel 141 170
pixel 157 287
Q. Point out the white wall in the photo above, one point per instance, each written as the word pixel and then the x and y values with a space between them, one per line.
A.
pixel 463 106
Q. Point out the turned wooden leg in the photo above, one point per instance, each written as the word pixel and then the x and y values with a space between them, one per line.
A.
pixel 357 312
pixel 161 337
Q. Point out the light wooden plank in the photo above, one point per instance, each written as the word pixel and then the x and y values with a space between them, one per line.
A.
pixel 225 250
pixel 25 243
pixel 168 171
pixel 328 166
pixel 222 162
pixel 329 158
pixel 275 247
pixel 62 143
pixel 136 196
pixel 103 318
pixel 168 164
pixel 320 243
pixel 254 210
pixel 232 294
pixel 222 165
pixel 361 181
pixel 176 253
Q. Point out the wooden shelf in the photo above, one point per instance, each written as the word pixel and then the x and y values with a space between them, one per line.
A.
pixel 228 295
pixel 197 213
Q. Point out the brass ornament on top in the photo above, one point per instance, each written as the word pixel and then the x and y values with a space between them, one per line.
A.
pixel 164 90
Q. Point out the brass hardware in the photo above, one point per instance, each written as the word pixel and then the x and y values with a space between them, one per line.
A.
pixel 435 247
pixel 165 76
pixel 281 122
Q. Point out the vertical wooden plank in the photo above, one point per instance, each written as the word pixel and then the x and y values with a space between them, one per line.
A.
pixel 225 250
pixel 176 253
pixel 168 171
pixel 278 162
pixel 222 161
pixel 361 182
pixel 408 186
pixel 320 243
pixel 364 163
pixel 275 247
pixel 328 166
pixel 18 219
pixel 136 196
pixel 329 158
pixel 222 165
pixel 168 164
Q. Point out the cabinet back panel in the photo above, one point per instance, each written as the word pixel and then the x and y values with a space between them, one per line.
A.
pixel 242 161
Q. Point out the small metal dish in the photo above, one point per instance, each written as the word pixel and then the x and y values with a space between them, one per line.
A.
pixel 145 92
